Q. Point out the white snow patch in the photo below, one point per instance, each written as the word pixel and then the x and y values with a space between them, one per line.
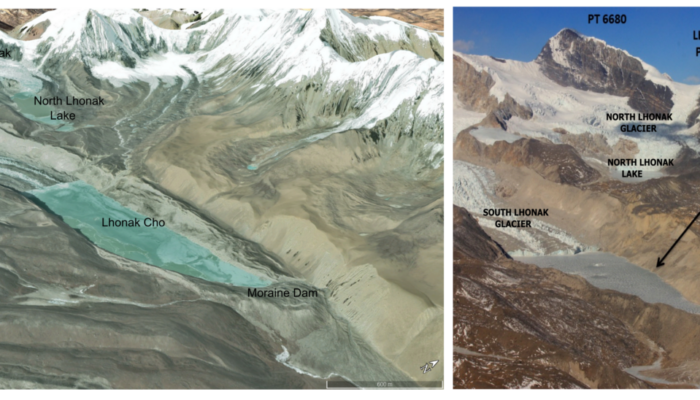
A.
pixel 463 119
pixel 160 68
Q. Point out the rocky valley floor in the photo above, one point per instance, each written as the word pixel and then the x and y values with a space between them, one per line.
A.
pixel 518 326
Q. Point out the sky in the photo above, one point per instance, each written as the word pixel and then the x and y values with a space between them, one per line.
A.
pixel 662 37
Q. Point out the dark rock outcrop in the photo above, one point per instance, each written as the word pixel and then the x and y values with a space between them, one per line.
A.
pixel 471 240
pixel 559 163
pixel 472 89
pixel 571 59
pixel 472 86
pixel 508 109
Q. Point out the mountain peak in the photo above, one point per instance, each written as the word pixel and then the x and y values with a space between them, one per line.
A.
pixel 560 46
pixel 586 63
pixel 568 33
pixel 569 40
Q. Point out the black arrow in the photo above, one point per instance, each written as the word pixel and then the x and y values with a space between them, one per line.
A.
pixel 660 261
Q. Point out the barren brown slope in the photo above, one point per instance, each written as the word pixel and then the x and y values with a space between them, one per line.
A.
pixel 528 329
pixel 472 87
pixel 638 221
pixel 517 325
pixel 75 316
pixel 383 277
pixel 10 18
pixel 555 162
pixel 426 18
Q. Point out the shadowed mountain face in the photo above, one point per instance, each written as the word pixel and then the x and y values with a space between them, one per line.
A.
pixel 571 59
pixel 471 241
pixel 517 325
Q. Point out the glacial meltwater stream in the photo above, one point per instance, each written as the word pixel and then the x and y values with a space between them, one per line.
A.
pixel 83 208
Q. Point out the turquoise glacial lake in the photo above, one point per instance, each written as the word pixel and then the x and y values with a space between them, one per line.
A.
pixel 39 113
pixel 83 208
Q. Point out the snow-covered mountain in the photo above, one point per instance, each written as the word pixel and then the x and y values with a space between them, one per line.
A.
pixel 568 91
pixel 575 60
pixel 536 136
pixel 267 52
pixel 311 140
pixel 576 80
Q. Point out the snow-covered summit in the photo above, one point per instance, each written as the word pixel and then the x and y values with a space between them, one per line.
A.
pixel 382 66
pixel 562 48
pixel 101 34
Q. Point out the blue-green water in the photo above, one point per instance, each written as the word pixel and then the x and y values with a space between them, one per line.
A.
pixel 39 113
pixel 82 207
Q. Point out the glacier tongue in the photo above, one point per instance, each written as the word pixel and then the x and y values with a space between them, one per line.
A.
pixel 475 191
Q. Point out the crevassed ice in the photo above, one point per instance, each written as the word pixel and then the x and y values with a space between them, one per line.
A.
pixel 474 187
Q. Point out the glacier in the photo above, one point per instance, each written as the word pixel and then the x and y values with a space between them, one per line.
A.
pixel 579 111
pixel 475 190
pixel 280 48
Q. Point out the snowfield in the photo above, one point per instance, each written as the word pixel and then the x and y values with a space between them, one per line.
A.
pixel 579 111
pixel 463 118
